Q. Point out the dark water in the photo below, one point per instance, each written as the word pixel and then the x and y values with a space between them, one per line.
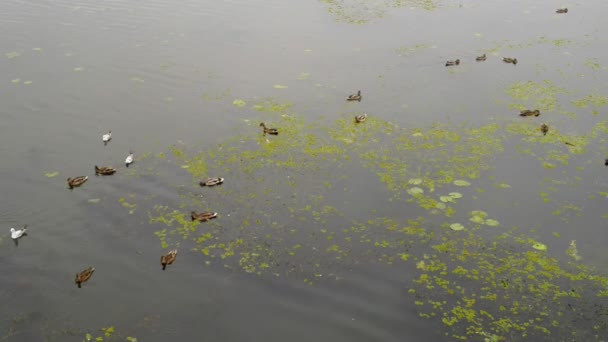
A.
pixel 159 73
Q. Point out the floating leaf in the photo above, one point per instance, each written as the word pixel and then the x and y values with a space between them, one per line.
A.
pixel 88 337
pixel 94 200
pixel 479 213
pixel 78 69
pixel 440 205
pixel 455 194
pixel 539 246
pixel 415 181
pixel 456 226
pixel 27 82
pixel 303 76
pixel 492 223
pixel 185 166
pixel 11 55
pixel 16 80
pixel 238 103
pixel 280 86
pixel 460 182
pixel 51 174
pixel 415 191
pixel 446 199
pixel 504 185
pixel 477 219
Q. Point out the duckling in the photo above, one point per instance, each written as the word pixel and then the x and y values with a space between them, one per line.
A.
pixel 129 159
pixel 544 128
pixel 361 118
pixel 104 170
pixel 106 137
pixel 212 181
pixel 77 181
pixel 355 97
pixel 272 131
pixel 527 112
pixel 202 217
pixel 510 60
pixel 84 276
pixel 451 63
pixel 562 10
pixel 481 58
pixel 168 258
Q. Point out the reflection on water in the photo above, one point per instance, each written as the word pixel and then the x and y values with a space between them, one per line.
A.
pixel 329 230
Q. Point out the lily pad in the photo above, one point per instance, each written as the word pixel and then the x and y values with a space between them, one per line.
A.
pixel 455 194
pixel 539 246
pixel 446 199
pixel 415 181
pixel 415 191
pixel 456 226
pixel 51 174
pixel 477 219
pixel 460 182
pixel 239 103
pixel 78 69
pixel 440 205
pixel 280 86
pixel 492 223
pixel 479 213
pixel 94 200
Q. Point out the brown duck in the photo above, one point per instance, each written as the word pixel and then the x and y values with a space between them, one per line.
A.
pixel 202 217
pixel 544 128
pixel 84 276
pixel 168 258
pixel 451 63
pixel 527 112
pixel 104 170
pixel 355 97
pixel 510 60
pixel 213 181
pixel 272 131
pixel 77 181
pixel 481 58
pixel 562 10
pixel 361 118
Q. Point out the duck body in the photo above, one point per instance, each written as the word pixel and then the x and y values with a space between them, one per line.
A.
pixel 527 112
pixel 106 137
pixel 266 130
pixel 361 118
pixel 212 181
pixel 355 97
pixel 84 276
pixel 510 60
pixel 104 170
pixel 168 258
pixel 129 159
pixel 562 10
pixel 452 63
pixel 77 181
pixel 18 233
pixel 481 58
pixel 544 128
pixel 202 217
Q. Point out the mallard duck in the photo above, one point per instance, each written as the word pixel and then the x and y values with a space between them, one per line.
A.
pixel 84 276
pixel 361 118
pixel 104 170
pixel 212 181
pixel 454 62
pixel 481 58
pixel 562 10
pixel 18 233
pixel 544 128
pixel 527 112
pixel 272 131
pixel 510 60
pixel 354 97
pixel 106 137
pixel 168 258
pixel 77 181
pixel 129 159
pixel 202 217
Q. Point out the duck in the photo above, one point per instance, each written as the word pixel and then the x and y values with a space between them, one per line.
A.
pixel 18 233
pixel 527 112
pixel 84 276
pixel 212 181
pixel 129 159
pixel 481 58
pixel 562 10
pixel 272 131
pixel 104 170
pixel 355 97
pixel 361 118
pixel 202 217
pixel 510 60
pixel 77 181
pixel 544 128
pixel 454 62
pixel 168 258
pixel 106 137
pixel 606 162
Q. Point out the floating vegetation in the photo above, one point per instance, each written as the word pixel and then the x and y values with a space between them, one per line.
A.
pixel 78 69
pixel 280 86
pixel 410 50
pixel 361 11
pixel 51 174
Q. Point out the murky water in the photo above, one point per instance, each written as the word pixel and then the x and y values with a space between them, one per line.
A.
pixel 303 248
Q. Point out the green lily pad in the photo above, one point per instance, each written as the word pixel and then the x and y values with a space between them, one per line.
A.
pixel 479 213
pixel 460 182
pixel 415 191
pixel 239 103
pixel 446 199
pixel 539 246
pixel 477 219
pixel 491 222
pixel 456 226
pixel 440 205
pixel 280 86
pixel 415 181
pixel 455 194
pixel 185 166
pixel 51 174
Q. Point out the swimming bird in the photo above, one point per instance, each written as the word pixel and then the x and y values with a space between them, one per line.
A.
pixel 562 10
pixel 544 128
pixel 16 234
pixel 266 130
pixel 168 258
pixel 527 112
pixel 355 97
pixel 510 60
pixel 84 276
pixel 361 118
pixel 451 63
pixel 129 159
pixel 212 181
pixel 106 137
pixel 606 162
pixel 481 58
pixel 77 181
pixel 104 170
pixel 202 217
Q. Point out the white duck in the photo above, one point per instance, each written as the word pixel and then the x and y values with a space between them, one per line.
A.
pixel 129 159
pixel 16 234
pixel 106 137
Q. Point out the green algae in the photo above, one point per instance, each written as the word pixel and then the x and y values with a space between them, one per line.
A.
pixel 362 12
